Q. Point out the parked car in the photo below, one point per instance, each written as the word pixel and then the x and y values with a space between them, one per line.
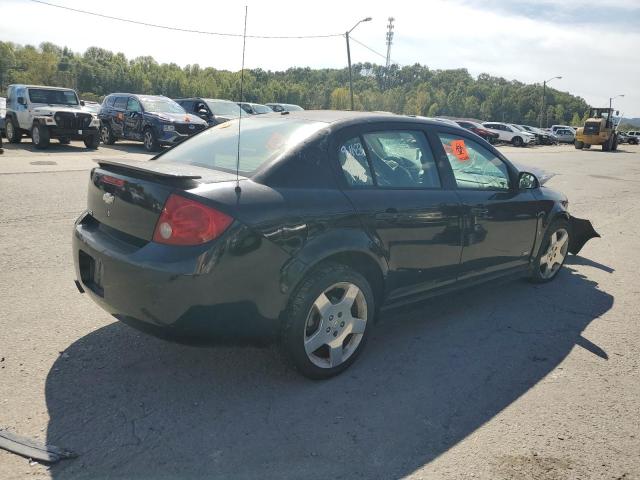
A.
pixel 479 130
pixel 214 111
pixel 3 112
pixel 510 134
pixel 255 108
pixel 90 106
pixel 48 112
pixel 565 135
pixel 634 137
pixel 543 137
pixel 212 248
pixel 152 119
pixel 554 128
pixel 622 138
pixel 284 107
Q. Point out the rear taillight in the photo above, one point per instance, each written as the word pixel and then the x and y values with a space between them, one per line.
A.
pixel 187 222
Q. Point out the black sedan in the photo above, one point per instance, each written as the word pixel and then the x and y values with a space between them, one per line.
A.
pixel 320 219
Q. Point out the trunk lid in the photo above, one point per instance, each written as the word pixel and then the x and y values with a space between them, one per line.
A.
pixel 128 196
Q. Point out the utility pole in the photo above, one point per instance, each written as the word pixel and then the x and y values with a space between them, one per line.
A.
pixel 346 35
pixel 544 98
pixel 389 40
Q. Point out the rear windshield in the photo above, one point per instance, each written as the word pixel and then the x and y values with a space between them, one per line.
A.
pixel 225 108
pixel 262 140
pixel 53 97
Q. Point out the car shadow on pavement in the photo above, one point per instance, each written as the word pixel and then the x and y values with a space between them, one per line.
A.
pixel 54 147
pixel 133 406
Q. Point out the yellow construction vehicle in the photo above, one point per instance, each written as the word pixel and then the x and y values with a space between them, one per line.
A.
pixel 599 129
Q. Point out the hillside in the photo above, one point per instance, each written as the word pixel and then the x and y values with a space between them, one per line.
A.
pixel 414 89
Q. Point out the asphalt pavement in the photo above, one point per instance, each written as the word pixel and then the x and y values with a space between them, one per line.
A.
pixel 508 380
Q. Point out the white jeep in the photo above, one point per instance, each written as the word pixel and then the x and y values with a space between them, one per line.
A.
pixel 49 112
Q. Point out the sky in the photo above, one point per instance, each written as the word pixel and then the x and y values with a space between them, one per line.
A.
pixel 593 44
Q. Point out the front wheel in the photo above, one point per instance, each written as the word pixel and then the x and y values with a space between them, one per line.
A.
pixel 328 321
pixel 106 134
pixel 517 142
pixel 150 141
pixel 553 252
pixel 40 136
pixel 578 145
pixel 92 141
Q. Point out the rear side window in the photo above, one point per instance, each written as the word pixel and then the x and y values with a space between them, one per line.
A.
pixel 353 161
pixel 474 167
pixel 121 103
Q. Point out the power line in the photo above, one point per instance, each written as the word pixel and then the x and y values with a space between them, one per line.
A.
pixel 186 30
pixel 381 55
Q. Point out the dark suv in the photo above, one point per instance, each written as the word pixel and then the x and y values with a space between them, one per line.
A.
pixel 152 119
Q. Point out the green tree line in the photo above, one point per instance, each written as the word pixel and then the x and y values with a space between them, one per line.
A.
pixel 412 90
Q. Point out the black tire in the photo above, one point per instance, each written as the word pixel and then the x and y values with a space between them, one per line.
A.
pixel 537 275
pixel 64 140
pixel 106 134
pixel 40 136
pixel 150 141
pixel 517 141
pixel 295 325
pixel 614 145
pixel 12 131
pixel 92 141
pixel 578 144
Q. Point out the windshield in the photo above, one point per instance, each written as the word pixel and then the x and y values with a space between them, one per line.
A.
pixel 261 108
pixel 160 105
pixel 53 97
pixel 225 108
pixel 262 139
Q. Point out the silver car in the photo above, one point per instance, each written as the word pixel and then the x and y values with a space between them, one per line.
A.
pixel 565 135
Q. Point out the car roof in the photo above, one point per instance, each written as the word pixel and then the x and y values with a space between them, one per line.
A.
pixel 24 85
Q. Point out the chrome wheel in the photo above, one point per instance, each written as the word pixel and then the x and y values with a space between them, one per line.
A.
pixel 104 134
pixel 9 128
pixel 553 258
pixel 35 135
pixel 148 140
pixel 335 325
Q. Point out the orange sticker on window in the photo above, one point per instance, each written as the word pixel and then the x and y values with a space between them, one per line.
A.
pixel 459 149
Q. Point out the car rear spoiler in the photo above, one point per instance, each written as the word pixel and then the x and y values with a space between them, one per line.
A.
pixel 581 232
pixel 167 170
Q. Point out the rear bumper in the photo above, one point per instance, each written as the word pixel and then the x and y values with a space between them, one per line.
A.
pixel 200 292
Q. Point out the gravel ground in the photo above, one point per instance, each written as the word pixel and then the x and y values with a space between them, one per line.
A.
pixel 504 381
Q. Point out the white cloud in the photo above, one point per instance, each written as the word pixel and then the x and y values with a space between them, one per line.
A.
pixel 596 61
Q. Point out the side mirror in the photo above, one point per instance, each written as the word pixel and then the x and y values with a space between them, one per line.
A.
pixel 21 101
pixel 82 103
pixel 527 181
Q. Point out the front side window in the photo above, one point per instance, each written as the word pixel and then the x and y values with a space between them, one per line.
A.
pixel 133 105
pixel 120 103
pixel 353 161
pixel 474 166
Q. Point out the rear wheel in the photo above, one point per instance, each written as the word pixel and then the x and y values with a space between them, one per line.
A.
pixel 150 141
pixel 328 321
pixel 106 134
pixel 517 142
pixel 40 136
pixel 553 252
pixel 12 131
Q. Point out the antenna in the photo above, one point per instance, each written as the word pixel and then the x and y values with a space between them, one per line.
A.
pixel 244 43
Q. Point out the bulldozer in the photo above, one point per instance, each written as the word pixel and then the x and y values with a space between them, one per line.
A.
pixel 599 129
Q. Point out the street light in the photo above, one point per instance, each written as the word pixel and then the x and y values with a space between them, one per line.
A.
pixel 368 19
pixel 544 97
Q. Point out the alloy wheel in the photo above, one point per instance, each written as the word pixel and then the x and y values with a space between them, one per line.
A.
pixel 35 135
pixel 554 257
pixel 104 134
pixel 9 128
pixel 335 325
pixel 148 140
